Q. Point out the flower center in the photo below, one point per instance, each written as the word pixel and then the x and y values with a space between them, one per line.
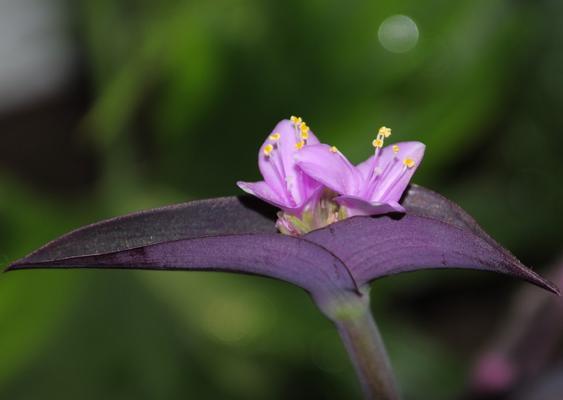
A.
pixel 325 212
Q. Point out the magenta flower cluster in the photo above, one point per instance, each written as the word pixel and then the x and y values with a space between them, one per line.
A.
pixel 314 184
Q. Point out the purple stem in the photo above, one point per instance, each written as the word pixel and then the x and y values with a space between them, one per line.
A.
pixel 363 343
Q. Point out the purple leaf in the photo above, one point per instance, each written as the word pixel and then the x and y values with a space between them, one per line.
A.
pixel 434 233
pixel 427 203
pixel 196 219
pixel 273 255
pixel 238 235
pixel 226 234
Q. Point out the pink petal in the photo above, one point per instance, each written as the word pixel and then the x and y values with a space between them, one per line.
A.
pixel 359 206
pixel 396 179
pixel 412 150
pixel 279 169
pixel 330 168
pixel 365 168
pixel 264 192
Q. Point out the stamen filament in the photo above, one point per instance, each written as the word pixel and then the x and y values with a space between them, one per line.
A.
pixel 372 182
pixel 395 181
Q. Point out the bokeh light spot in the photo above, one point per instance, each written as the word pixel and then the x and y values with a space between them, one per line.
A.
pixel 398 34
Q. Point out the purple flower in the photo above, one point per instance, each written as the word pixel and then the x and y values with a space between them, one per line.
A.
pixel 296 167
pixel 372 187
pixel 285 185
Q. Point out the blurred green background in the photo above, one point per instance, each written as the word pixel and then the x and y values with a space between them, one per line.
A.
pixel 111 106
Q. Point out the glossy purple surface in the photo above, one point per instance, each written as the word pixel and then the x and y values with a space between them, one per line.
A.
pixel 237 234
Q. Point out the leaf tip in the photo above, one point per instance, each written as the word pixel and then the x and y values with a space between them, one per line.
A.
pixel 11 267
pixel 16 265
pixel 548 285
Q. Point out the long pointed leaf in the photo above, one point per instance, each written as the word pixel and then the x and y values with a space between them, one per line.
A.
pixel 426 203
pixel 304 264
pixel 434 233
pixel 232 234
pixel 221 216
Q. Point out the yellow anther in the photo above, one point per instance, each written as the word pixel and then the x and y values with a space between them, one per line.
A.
pixel 409 162
pixel 377 143
pixel 275 136
pixel 296 120
pixel 386 132
pixel 304 128
pixel 333 149
pixel 268 149
pixel 299 145
pixel 395 149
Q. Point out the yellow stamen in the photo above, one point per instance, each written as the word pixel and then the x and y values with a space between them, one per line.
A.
pixel 377 143
pixel 333 149
pixel 384 131
pixel 299 145
pixel 275 136
pixel 409 162
pixel 296 120
pixel 268 149
pixel 304 131
pixel 395 149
